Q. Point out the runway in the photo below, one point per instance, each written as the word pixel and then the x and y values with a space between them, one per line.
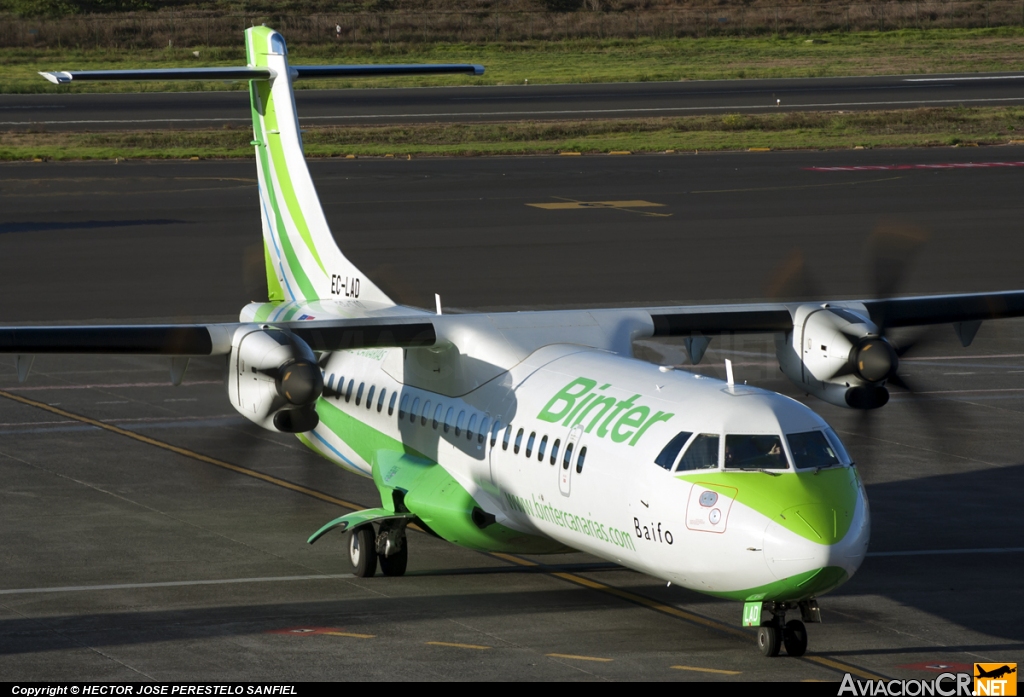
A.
pixel 92 112
pixel 152 533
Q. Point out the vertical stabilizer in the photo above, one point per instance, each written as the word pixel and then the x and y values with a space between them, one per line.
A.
pixel 303 261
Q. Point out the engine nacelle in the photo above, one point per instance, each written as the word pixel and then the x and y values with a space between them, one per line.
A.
pixel 837 355
pixel 274 379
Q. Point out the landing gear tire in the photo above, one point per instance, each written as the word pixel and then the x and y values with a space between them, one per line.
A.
pixel 396 563
pixel 795 638
pixel 362 551
pixel 769 639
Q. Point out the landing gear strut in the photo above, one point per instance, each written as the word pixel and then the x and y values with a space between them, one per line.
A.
pixel 776 632
pixel 387 546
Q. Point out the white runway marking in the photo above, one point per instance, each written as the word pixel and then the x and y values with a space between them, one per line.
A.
pixel 961 79
pixel 925 552
pixel 173 584
pixel 534 114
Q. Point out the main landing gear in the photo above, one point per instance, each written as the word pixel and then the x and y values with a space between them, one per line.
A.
pixel 387 547
pixel 776 632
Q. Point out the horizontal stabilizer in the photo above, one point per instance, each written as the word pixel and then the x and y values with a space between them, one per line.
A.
pixel 64 77
pixel 384 70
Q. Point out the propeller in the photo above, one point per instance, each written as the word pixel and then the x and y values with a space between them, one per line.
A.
pixel 890 251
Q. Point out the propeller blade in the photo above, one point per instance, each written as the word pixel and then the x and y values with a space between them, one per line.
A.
pixel 792 280
pixel 891 247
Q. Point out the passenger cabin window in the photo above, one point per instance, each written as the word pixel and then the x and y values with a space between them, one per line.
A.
pixel 402 406
pixel 359 393
pixel 484 426
pixel 369 397
pixel 701 455
pixel 580 458
pixel 391 404
pixel 458 423
pixel 380 402
pixel 542 448
pixel 348 392
pixel 437 416
pixel 415 408
pixel 494 432
pixel 667 457
pixel 567 457
pixel 425 414
pixel 529 443
pixel 330 383
pixel 554 450
pixel 471 428
pixel 754 452
pixel 811 450
pixel 519 441
pixel 449 419
pixel 508 434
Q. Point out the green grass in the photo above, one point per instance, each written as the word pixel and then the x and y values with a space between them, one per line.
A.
pixel 868 53
pixel 799 130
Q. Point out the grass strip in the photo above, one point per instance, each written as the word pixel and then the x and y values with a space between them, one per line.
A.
pixel 584 60
pixel 793 130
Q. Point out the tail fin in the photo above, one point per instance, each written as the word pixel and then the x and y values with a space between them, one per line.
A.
pixel 303 261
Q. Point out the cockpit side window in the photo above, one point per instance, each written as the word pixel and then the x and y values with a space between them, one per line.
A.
pixel 754 452
pixel 702 454
pixel 837 445
pixel 667 457
pixel 811 450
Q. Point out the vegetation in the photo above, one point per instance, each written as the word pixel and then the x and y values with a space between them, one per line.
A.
pixel 797 130
pixel 584 60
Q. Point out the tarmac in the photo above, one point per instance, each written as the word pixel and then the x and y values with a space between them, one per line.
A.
pixel 151 533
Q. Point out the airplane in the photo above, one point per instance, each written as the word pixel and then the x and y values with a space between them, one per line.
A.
pixel 995 672
pixel 539 432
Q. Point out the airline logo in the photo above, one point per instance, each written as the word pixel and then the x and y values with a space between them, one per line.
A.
pixel 582 402
pixel 995 679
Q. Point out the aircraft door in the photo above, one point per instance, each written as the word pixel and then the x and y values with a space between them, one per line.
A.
pixel 568 459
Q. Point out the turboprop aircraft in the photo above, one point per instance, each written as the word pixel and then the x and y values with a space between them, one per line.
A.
pixel 539 432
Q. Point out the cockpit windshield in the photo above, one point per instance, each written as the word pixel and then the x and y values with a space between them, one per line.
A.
pixel 754 452
pixel 811 450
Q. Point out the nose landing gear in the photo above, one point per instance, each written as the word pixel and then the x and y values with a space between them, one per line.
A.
pixel 776 632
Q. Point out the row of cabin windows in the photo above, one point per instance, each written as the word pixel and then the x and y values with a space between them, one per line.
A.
pixel 449 422
pixel 531 441
pixel 458 423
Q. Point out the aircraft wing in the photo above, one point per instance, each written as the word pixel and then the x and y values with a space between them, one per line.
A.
pixel 890 312
pixel 210 339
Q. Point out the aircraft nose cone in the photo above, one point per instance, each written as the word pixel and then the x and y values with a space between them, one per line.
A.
pixel 814 547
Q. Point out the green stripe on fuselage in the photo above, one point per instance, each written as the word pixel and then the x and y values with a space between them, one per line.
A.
pixel 429 491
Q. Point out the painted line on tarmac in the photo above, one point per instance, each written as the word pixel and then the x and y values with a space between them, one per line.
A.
pixel 963 79
pixel 533 114
pixel 185 452
pixel 476 647
pixel 574 657
pixel 172 584
pixel 896 168
pixel 927 552
pixel 716 671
